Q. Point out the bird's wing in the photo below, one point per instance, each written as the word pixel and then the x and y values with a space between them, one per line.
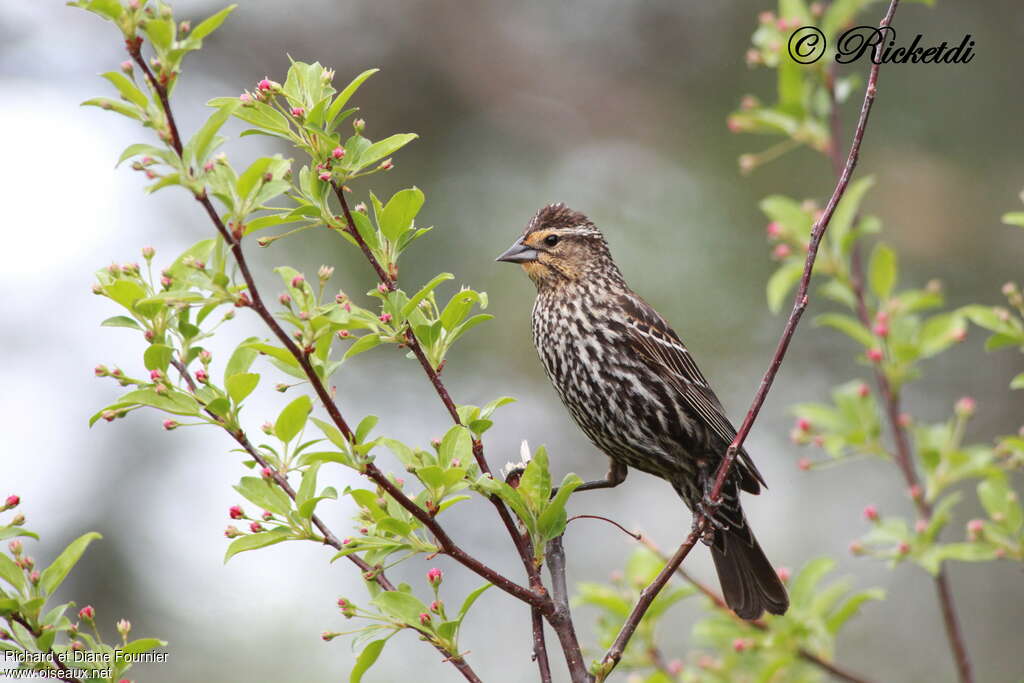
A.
pixel 652 338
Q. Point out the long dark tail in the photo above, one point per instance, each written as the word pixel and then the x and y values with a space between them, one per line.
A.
pixel 750 584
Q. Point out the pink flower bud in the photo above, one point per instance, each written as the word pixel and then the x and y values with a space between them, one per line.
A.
pixel 232 531
pixel 265 85
pixel 774 229
pixel 12 501
pixel 360 207
pixel 338 153
pixel 298 112
pixel 124 627
pixel 675 667
pixel 424 618
pixel 202 376
pixel 208 166
pixel 236 512
pixel 804 464
pixel 267 515
pixel 881 330
pixel 974 529
pixel 87 613
pixel 783 573
pixel 15 547
pixel 342 334
pixel 436 606
pixel 101 371
pixel 766 18
pixel 34 577
pixel 166 282
pixel 871 513
pixel 359 125
pixel 965 406
pixel 434 577
pixel 298 281
pixel 382 288
pixel 856 548
pixel 875 355
pixel 905 419
pixel 920 526
pixel 127 67
pixel 739 645
pixel 325 176
pixel 734 124
pixel 156 375
pixel 109 415
pixel 267 473
pixel 915 492
pixel 245 98
pixel 281 387
pixel 170 424
pixel 903 548
pixel 346 541
pixel 328 636
pixel 267 428
pixel 781 252
pixel 803 424
pixel 386 165
pixel 148 253
pixel 385 317
pixel 255 527
pixel 863 390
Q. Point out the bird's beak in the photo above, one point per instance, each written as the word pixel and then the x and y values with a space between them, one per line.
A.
pixel 518 253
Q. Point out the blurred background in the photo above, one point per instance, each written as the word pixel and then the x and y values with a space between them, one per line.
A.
pixel 617 109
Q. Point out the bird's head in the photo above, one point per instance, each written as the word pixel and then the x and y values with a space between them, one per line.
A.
pixel 560 247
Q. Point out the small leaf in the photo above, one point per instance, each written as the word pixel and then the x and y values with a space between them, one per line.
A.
pixel 1017 382
pixel 344 96
pixel 385 147
pixel 882 271
pixel 293 418
pixel 400 212
pixel 55 574
pixel 366 659
pixel 781 282
pixel 1014 218
pixel 158 357
pixel 121 321
pixel 422 294
pixel 364 343
pixel 211 24
pixel 254 541
pixel 241 385
pixel 848 326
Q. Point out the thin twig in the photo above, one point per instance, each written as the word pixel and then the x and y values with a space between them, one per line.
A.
pixel 614 653
pixel 540 650
pixel 632 534
pixel 759 624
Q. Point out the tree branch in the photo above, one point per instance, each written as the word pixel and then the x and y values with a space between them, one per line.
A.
pixel 759 624
pixel 614 654
pixel 561 618
pixel 134 49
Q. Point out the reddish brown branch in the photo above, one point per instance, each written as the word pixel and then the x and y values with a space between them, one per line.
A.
pixel 614 653
pixel 134 49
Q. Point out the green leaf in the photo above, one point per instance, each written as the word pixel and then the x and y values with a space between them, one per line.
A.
pixel 535 484
pixel 160 32
pixel 882 271
pixel 551 522
pixel 121 321
pixel 848 326
pixel 12 573
pixel 158 357
pixel 366 659
pixel 254 541
pixel 1014 218
pixel 850 607
pixel 137 647
pixel 401 606
pixel 241 359
pixel 1017 382
pixel 781 282
pixel 265 494
pixel 241 385
pixel 55 574
pixel 385 147
pixel 400 211
pixel 344 96
pixel 210 24
pixel 364 343
pixel 847 210
pixel 198 148
pixel 422 294
pixel 293 418
pixel 127 88
pixel 470 599
pixel 807 580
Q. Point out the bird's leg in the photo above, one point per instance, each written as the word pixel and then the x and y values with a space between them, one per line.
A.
pixel 616 475
pixel 707 508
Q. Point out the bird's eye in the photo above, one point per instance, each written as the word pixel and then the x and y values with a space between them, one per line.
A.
pixel 551 240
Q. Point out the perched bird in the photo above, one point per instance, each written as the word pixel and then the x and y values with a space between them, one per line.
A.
pixel 635 391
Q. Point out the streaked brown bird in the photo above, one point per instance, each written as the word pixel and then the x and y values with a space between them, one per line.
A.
pixel 636 392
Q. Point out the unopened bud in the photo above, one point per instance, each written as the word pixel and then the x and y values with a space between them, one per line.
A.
pixel 871 513
pixel 965 407
pixel 338 153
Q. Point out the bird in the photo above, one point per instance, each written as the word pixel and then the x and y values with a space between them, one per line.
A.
pixel 634 389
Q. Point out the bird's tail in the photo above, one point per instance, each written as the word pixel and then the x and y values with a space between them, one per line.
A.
pixel 750 584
